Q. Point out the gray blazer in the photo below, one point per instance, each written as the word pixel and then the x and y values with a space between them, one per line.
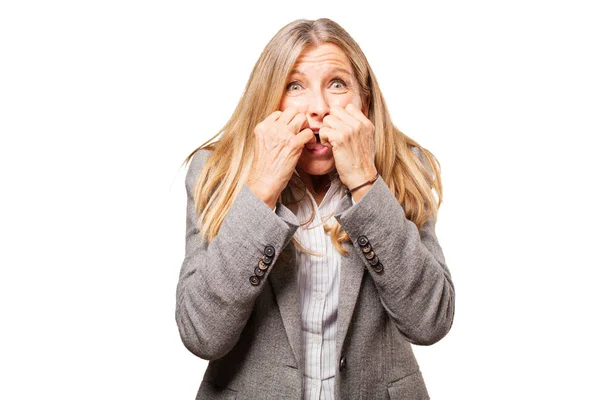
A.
pixel 249 328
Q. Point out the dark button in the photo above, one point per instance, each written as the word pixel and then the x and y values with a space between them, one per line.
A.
pixel 262 266
pixel 258 271
pixel 370 255
pixel 269 251
pixel 363 241
pixel 267 260
pixel 374 261
pixel 366 248
pixel 342 363
pixel 378 268
pixel 254 280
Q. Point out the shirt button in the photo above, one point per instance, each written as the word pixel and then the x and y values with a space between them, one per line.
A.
pixel 319 296
pixel 342 363
pixel 316 339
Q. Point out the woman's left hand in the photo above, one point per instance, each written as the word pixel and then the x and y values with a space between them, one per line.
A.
pixel 350 134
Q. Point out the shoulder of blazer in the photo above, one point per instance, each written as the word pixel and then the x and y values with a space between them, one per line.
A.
pixel 197 162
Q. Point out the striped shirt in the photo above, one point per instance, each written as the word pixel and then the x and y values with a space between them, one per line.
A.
pixel 319 284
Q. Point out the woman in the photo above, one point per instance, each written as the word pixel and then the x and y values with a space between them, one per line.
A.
pixel 311 259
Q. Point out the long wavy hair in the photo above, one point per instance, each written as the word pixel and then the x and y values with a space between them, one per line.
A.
pixel 410 171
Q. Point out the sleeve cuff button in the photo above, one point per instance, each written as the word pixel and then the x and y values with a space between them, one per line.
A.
pixel 269 251
pixel 363 241
pixel 254 280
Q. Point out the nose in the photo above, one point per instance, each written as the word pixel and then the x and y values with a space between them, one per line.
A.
pixel 318 106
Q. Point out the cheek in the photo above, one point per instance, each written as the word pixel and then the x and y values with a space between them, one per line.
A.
pixel 297 102
pixel 343 101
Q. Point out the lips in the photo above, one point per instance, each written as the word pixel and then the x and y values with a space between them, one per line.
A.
pixel 317 148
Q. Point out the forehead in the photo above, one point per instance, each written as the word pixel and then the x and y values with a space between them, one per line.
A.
pixel 326 55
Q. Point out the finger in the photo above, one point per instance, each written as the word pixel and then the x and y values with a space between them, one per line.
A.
pixel 331 121
pixel 305 137
pixel 358 114
pixel 287 115
pixel 324 135
pixel 344 116
pixel 273 116
pixel 297 123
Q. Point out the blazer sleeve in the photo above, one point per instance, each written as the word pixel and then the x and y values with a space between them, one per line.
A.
pixel 407 264
pixel 215 295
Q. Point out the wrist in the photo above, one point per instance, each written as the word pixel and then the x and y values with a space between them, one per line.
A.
pixel 358 178
pixel 360 192
pixel 263 192
pixel 354 181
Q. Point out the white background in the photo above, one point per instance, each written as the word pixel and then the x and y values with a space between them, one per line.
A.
pixel 100 101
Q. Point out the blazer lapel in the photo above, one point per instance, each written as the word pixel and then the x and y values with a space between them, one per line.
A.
pixel 351 275
pixel 284 281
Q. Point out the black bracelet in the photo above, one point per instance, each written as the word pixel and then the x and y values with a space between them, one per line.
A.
pixel 349 191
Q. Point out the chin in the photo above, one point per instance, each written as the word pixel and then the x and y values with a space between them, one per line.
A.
pixel 316 167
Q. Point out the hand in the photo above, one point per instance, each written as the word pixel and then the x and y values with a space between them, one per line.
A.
pixel 350 134
pixel 278 144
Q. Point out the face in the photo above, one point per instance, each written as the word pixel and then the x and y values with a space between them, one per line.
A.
pixel 322 77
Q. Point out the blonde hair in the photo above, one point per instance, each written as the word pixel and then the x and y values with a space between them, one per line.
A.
pixel 411 172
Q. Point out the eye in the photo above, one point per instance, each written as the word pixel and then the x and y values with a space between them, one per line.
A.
pixel 293 86
pixel 338 84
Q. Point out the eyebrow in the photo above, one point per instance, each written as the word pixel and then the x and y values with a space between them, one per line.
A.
pixel 331 70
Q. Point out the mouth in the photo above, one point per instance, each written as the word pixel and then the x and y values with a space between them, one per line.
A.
pixel 317 149
pixel 316 132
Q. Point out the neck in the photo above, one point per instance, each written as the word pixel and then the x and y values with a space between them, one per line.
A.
pixel 316 184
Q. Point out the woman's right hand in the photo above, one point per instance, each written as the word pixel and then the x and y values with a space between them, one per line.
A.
pixel 278 144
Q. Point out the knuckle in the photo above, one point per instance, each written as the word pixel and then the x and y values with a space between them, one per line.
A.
pixel 294 143
pixel 280 126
